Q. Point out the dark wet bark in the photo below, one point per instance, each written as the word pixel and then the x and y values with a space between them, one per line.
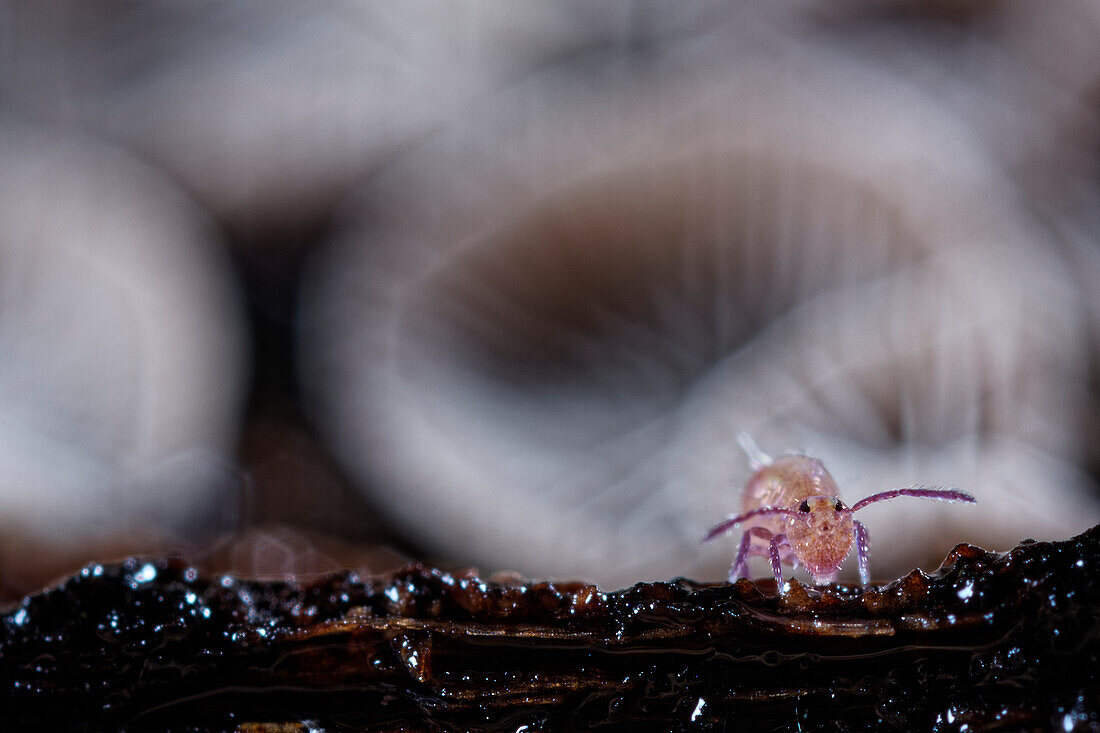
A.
pixel 988 642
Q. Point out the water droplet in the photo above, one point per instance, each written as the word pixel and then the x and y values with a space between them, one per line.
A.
pixel 145 574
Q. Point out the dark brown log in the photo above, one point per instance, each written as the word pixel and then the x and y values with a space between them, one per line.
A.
pixel 988 642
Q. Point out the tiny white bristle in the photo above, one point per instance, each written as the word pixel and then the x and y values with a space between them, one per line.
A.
pixel 757 458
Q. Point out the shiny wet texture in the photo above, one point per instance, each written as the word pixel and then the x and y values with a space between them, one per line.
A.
pixel 988 642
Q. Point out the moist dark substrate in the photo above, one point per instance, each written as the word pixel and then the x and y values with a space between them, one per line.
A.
pixel 988 642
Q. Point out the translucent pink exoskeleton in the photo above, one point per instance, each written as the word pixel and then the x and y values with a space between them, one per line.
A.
pixel 792 514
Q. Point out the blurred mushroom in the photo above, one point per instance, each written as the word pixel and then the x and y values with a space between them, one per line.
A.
pixel 120 343
pixel 269 111
pixel 533 341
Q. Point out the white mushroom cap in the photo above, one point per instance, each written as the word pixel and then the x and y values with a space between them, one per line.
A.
pixel 534 342
pixel 120 341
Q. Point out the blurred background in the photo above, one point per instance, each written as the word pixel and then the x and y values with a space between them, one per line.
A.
pixel 289 288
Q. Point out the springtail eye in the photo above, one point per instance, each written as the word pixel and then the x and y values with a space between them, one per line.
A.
pixel 839 506
pixel 804 507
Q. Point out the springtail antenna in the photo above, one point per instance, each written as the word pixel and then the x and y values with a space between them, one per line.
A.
pixel 731 521
pixel 757 458
pixel 921 492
